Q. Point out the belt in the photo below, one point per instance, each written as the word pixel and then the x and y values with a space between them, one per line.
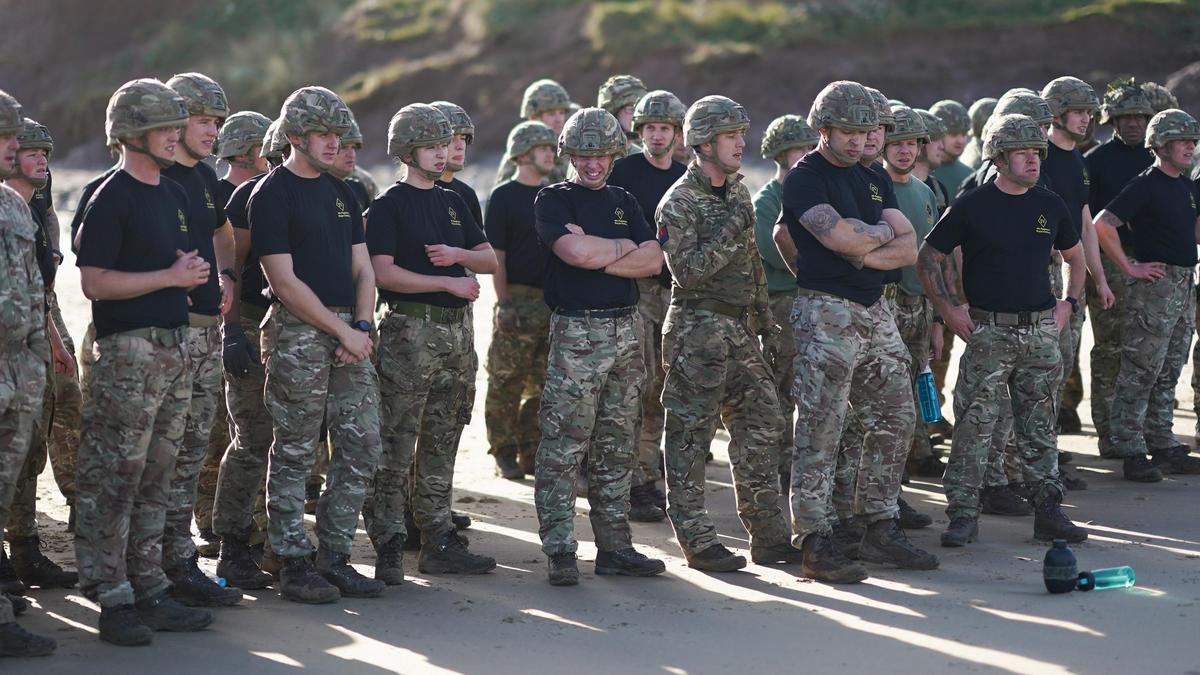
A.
pixel 167 337
pixel 613 313
pixel 419 310
pixel 1011 319
pixel 203 320
pixel 890 291
pixel 525 291
pixel 818 294
pixel 905 300
pixel 253 313
pixel 341 309
pixel 717 307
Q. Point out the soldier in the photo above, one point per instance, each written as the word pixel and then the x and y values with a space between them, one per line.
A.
pixel 716 372
pixel 456 159
pixel 979 112
pixel 619 95
pixel 347 164
pixel 25 355
pixel 599 243
pixel 134 269
pixel 1009 320
pixel 1110 166
pixel 647 175
pixel 239 144
pixel 786 141
pixel 516 361
pixel 209 232
pixel 957 122
pixel 843 238
pixel 30 566
pixel 308 236
pixel 1159 204
pixel 243 471
pixel 544 101
pixel 423 241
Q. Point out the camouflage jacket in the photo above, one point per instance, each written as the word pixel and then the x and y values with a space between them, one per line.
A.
pixel 22 291
pixel 709 242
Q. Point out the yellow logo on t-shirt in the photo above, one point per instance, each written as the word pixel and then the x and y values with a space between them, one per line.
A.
pixel 1192 199
pixel 453 216
pixel 341 208
pixel 182 220
pixel 875 196
pixel 1087 179
pixel 619 217
pixel 1042 228
pixel 929 214
pixel 208 199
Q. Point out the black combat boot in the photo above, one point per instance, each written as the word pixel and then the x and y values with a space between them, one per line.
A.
pixel 9 581
pixel 962 531
pixel 716 558
pixel 16 641
pixel 562 569
pixel 122 626
pixel 1049 522
pixel 412 542
pixel 910 518
pixel 35 569
pixel 299 581
pixel 824 562
pixel 1069 422
pixel 162 613
pixel 927 467
pixel 526 460
pixel 779 554
pixel 1139 469
pixel 460 520
pixel 210 543
pixel 1175 460
pixel 886 543
pixel 312 496
pixel 506 463
pixel 389 561
pixel 447 553
pixel 628 562
pixel 236 565
pixel 846 536
pixel 1000 500
pixel 642 508
pixel 193 588
pixel 336 569
pixel 1065 457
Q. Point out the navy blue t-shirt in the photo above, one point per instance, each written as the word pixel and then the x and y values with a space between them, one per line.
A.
pixel 85 196
pixel 648 183
pixel 131 226
pixel 317 222
pixel 468 196
pixel 253 283
pixel 405 219
pixel 882 182
pixel 509 226
pixel 1006 241
pixel 813 181
pixel 1162 213
pixel 206 214
pixel 1111 165
pixel 609 213
pixel 42 249
pixel 1069 177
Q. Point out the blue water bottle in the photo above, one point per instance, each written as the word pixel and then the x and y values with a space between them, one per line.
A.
pixel 931 408
pixel 1107 578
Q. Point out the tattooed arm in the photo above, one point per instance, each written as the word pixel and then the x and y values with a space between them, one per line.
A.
pixel 1106 224
pixel 938 274
pixel 899 252
pixel 849 237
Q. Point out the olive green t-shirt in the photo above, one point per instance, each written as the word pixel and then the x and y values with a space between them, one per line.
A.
pixel 918 204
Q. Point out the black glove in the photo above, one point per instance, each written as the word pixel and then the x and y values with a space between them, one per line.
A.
pixel 237 352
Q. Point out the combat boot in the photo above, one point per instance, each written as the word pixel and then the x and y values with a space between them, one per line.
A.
pixel 1000 500
pixel 910 518
pixel 122 626
pixel 657 496
pixel 1049 522
pixel 460 520
pixel 962 531
pixel 300 582
pixel 210 543
pixel 562 569
pixel 1139 469
pixel 447 553
pixel 162 613
pixel 525 460
pixel 193 588
pixel 312 496
pixel 779 554
pixel 19 604
pixel 886 543
pixel 506 463
pixel 627 562
pixel 1174 460
pixel 846 536
pixel 16 641
pixel 716 558
pixel 824 562
pixel 236 566
pixel 9 581
pixel 1069 422
pixel 35 569
pixel 642 508
pixel 389 561
pixel 412 542
pixel 929 467
pixel 336 569
pixel 1065 457
pixel 271 563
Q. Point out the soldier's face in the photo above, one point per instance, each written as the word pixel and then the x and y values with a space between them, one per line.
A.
pixel 625 117
pixel 933 153
pixel 1076 122
pixel 8 154
pixel 872 145
pixel 555 119
pixel 432 158
pixel 902 155
pixel 33 164
pixel 324 146
pixel 347 158
pixel 1131 128
pixel 161 143
pixel 954 144
pixel 658 138
pixel 846 146
pixel 260 162
pixel 793 155
pixel 593 171
pixel 728 147
pixel 542 157
pixel 1023 166
pixel 1178 154
pixel 200 134
pixel 457 158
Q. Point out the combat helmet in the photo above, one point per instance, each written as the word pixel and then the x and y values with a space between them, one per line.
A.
pixel 528 135
pixel 35 136
pixel 933 125
pixel 417 125
pixel 910 125
pixel 354 135
pixel 1159 96
pixel 954 116
pixel 1171 125
pixel 979 113
pixel 592 132
pixel 710 116
pixel 314 108
pixel 659 106
pixel 619 91
pixel 241 132
pixel 843 105
pixel 460 121
pixel 202 95
pixel 882 108
pixel 543 96
pixel 1023 102
pixel 1013 131
pixel 1069 93
pixel 275 142
pixel 11 118
pixel 1124 97
pixel 140 106
pixel 785 133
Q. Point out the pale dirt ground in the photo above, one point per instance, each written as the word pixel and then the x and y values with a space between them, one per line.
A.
pixel 985 610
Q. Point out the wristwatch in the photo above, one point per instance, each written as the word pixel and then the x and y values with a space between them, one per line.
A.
pixel 1074 303
pixel 228 271
pixel 363 325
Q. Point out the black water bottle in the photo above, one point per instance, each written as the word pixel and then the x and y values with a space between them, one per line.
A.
pixel 1058 569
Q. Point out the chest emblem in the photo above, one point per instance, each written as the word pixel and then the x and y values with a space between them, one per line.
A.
pixel 875 196
pixel 208 199
pixel 453 216
pixel 619 217
pixel 182 220
pixel 1087 179
pixel 341 208
pixel 1192 199
pixel 928 214
pixel 1042 227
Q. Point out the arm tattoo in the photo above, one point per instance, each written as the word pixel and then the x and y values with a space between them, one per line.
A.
pixel 933 265
pixel 820 220
pixel 1109 219
pixel 880 232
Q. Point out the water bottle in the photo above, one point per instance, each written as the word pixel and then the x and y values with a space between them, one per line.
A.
pixel 220 581
pixel 931 408
pixel 1058 569
pixel 1109 577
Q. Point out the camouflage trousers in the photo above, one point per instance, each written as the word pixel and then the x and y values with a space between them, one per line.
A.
pixel 716 374
pixel 1104 361
pixel 204 349
pixel 206 482
pixel 516 368
pixel 133 426
pixel 652 308
pixel 1195 375
pixel 66 417
pixel 243 473
pixel 22 513
pixel 22 381
pixel 1026 363
pixel 594 380
pixel 426 374
pixel 1159 320
pixel 305 383
pixel 779 350
pixel 855 361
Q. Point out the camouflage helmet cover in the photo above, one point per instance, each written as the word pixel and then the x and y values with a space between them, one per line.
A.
pixel 659 106
pixel 979 113
pixel 274 141
pixel 35 136
pixel 1069 93
pixel 1013 132
pixel 710 116
pixel 417 125
pixel 882 108
pixel 240 132
pixel 785 133
pixel 910 125
pixel 1022 103
pixel 1171 125
pixel 954 116
pixel 354 135
pixel 141 105
pixel 460 121
pixel 1159 96
pixel 619 91
pixel 527 136
pixel 314 109
pixel 1124 97
pixel 592 132
pixel 201 93
pixel 843 105
pixel 11 118
pixel 933 126
pixel 543 96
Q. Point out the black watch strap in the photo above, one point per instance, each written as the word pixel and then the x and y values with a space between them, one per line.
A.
pixel 228 271
pixel 363 325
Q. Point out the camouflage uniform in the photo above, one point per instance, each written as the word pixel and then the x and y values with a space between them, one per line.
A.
pixel 653 300
pixel 67 417
pixel 206 482
pixel 516 367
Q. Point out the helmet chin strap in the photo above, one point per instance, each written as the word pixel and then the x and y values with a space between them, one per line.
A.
pixel 428 174
pixel 162 163
pixel 1074 136
pixel 187 148
pixel 323 167
pixel 727 169
pixel 1007 172
pixel 37 183
pixel 664 151
pixel 455 168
